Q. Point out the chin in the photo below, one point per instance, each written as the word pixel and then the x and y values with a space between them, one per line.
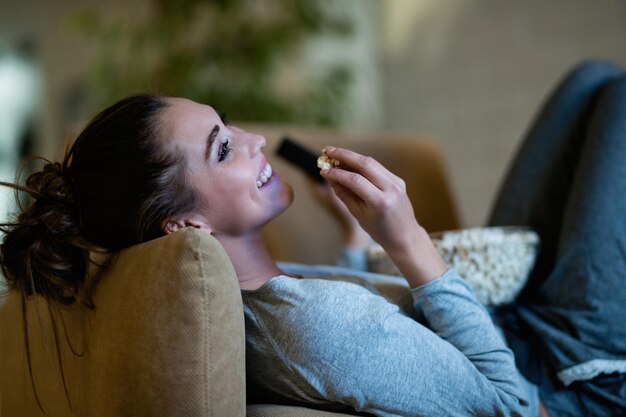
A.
pixel 285 200
pixel 288 200
pixel 289 191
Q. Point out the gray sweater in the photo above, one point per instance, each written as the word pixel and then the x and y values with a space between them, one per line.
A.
pixel 366 341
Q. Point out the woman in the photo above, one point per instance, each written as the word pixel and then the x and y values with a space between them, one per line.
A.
pixel 149 166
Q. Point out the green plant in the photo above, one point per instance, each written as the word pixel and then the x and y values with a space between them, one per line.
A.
pixel 240 56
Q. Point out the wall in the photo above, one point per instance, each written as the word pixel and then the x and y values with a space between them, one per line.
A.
pixel 64 58
pixel 473 73
pixel 61 55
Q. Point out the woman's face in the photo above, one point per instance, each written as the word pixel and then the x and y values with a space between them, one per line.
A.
pixel 238 190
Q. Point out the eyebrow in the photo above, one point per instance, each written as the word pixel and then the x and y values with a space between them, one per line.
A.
pixel 210 141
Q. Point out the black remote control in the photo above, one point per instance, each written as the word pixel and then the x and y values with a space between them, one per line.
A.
pixel 301 157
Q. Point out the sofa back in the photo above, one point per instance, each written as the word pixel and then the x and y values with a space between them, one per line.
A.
pixel 166 339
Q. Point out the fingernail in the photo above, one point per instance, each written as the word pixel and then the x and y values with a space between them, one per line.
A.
pixel 329 149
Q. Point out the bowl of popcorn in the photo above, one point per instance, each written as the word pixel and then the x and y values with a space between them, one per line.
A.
pixel 494 261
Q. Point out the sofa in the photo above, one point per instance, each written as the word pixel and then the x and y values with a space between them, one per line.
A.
pixel 166 337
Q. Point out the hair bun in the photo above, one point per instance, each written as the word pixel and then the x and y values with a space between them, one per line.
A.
pixel 42 251
pixel 55 203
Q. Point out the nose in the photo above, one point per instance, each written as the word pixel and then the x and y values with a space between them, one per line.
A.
pixel 257 143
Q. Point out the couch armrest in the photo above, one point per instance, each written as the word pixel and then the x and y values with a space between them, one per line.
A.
pixel 166 339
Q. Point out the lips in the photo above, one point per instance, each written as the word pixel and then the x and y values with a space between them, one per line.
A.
pixel 265 175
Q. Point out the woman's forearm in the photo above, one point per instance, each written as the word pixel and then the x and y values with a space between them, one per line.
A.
pixel 417 259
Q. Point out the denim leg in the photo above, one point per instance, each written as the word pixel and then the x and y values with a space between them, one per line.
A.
pixel 539 180
pixel 574 310
pixel 579 311
pixel 590 273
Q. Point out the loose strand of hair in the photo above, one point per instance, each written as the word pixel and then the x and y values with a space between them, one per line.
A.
pixel 17 188
pixel 69 155
pixel 55 332
pixel 16 191
pixel 67 336
pixel 28 354
pixel 19 174
pixel 44 337
pixel 93 278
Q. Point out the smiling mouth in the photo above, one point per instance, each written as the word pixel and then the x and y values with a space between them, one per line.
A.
pixel 265 176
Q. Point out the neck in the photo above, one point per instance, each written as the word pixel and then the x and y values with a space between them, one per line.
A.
pixel 253 264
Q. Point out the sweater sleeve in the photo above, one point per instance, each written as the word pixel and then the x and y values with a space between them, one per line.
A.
pixel 354 348
pixel 451 311
pixel 355 259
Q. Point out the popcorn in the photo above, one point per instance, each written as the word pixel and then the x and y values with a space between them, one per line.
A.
pixel 494 261
pixel 326 162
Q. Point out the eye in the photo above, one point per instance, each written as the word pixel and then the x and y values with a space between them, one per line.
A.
pixel 225 150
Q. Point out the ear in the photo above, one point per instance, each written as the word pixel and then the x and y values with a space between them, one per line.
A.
pixel 172 225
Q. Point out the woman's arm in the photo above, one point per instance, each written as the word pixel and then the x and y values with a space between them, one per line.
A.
pixel 378 200
pixel 354 240
pixel 352 234
pixel 337 342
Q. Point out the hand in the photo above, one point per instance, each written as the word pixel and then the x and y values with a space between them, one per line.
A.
pixel 378 200
pixel 353 235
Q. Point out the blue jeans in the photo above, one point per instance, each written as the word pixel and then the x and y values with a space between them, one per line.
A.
pixel 568 326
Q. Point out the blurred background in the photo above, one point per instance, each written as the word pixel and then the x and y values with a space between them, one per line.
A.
pixel 470 74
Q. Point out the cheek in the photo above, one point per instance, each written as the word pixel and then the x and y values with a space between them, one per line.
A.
pixel 225 198
pixel 232 206
pixel 222 189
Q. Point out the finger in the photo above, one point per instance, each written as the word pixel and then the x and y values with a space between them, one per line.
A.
pixel 356 183
pixel 346 196
pixel 367 166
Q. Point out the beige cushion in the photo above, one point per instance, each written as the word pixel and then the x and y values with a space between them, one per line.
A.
pixel 166 339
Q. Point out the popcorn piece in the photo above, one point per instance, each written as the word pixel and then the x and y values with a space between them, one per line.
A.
pixel 326 162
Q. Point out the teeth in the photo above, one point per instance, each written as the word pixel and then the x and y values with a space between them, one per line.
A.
pixel 265 175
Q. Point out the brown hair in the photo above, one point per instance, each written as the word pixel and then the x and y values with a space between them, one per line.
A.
pixel 117 183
